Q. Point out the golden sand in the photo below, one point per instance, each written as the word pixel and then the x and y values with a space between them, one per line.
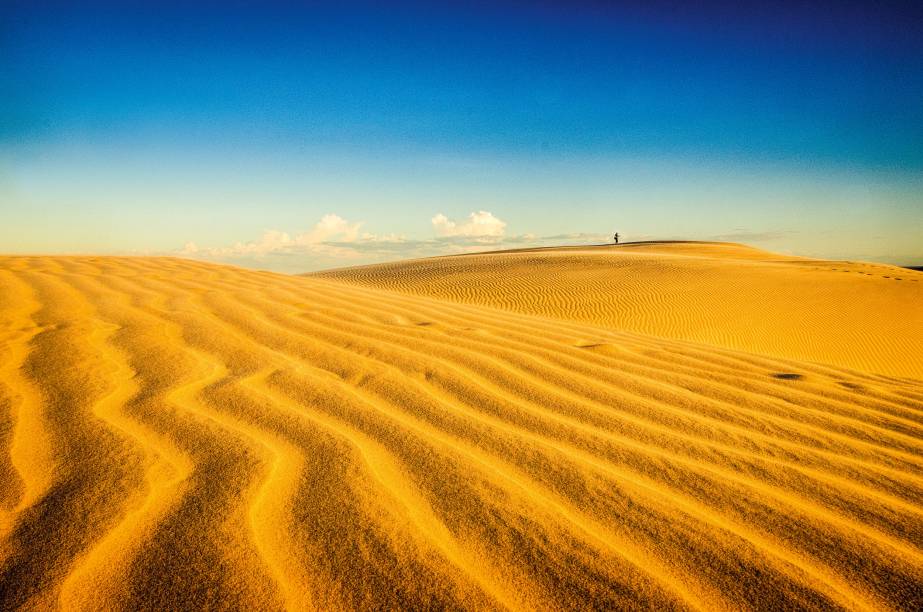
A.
pixel 178 435
pixel 857 315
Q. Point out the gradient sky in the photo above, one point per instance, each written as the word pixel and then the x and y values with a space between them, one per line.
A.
pixel 294 136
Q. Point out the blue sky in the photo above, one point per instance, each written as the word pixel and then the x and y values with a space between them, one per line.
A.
pixel 302 135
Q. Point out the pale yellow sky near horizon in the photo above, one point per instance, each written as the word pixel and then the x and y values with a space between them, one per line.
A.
pixel 309 211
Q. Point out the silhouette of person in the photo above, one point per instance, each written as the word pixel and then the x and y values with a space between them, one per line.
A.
pixel 616 237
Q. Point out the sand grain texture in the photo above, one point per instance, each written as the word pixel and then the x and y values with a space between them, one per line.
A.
pixel 853 314
pixel 179 435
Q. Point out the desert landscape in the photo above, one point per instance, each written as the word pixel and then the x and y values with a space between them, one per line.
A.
pixel 701 426
pixel 424 306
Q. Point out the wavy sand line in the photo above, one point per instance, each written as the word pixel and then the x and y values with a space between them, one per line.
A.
pixel 825 576
pixel 622 549
pixel 31 462
pixel 388 475
pixel 700 292
pixel 278 480
pixel 378 463
pixel 790 499
pixel 84 442
pixel 106 561
pixel 876 534
pixel 226 438
pixel 539 381
pixel 657 380
pixel 391 480
pixel 382 461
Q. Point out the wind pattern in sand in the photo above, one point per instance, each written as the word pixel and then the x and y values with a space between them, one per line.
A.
pixel 179 435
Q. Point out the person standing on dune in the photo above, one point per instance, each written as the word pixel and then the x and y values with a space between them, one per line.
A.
pixel 616 237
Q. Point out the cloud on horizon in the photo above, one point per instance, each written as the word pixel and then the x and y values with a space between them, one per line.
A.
pixel 335 241
pixel 479 224
pixel 317 241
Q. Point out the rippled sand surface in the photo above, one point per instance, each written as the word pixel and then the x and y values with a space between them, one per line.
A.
pixel 852 314
pixel 177 435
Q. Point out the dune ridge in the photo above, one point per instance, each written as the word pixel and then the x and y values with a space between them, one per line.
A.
pixel 180 435
pixel 851 314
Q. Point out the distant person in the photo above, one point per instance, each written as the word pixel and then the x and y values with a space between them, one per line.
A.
pixel 616 237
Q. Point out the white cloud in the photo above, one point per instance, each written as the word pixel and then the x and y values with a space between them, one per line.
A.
pixel 334 241
pixel 316 241
pixel 479 224
pixel 330 227
pixel 189 248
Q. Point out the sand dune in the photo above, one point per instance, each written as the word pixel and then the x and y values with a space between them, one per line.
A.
pixel 855 315
pixel 178 435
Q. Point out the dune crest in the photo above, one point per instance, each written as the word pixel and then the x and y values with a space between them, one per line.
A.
pixel 849 314
pixel 180 435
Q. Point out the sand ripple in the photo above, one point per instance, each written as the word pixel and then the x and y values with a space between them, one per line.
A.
pixel 856 315
pixel 178 435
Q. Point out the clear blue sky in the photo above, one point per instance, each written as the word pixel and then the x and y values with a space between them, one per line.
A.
pixel 301 135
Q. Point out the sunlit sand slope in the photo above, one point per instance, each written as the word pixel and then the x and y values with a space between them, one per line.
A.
pixel 857 315
pixel 178 435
